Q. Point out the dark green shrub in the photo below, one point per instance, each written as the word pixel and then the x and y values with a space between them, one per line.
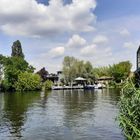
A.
pixel 5 85
pixel 48 85
pixel 28 82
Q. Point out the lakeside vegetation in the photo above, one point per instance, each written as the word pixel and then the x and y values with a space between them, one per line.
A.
pixel 17 74
pixel 129 111
pixel 73 68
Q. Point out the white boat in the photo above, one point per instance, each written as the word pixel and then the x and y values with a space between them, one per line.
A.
pixel 57 87
pixel 66 87
pixel 98 86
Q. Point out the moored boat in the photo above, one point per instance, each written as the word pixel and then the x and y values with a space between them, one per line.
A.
pixel 98 86
pixel 89 87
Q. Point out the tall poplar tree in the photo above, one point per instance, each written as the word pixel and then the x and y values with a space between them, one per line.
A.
pixel 17 49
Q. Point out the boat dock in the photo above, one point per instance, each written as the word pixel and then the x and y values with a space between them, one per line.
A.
pixel 99 86
pixel 67 87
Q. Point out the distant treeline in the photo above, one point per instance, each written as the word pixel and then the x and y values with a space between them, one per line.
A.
pixel 17 74
pixel 73 68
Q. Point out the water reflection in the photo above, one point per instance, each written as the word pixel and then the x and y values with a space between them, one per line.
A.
pixel 77 102
pixel 14 111
pixel 60 115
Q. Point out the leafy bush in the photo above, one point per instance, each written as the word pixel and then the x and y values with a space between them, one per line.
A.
pixel 129 114
pixel 5 85
pixel 12 67
pixel 48 85
pixel 120 71
pixel 28 81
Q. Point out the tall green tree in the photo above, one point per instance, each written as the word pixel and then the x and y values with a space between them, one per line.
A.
pixel 69 70
pixel 79 68
pixel 120 71
pixel 101 71
pixel 13 66
pixel 89 71
pixel 73 68
pixel 17 49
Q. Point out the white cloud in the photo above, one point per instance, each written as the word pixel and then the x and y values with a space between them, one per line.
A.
pixel 57 52
pixel 76 41
pixel 29 18
pixel 108 51
pixel 100 39
pixel 129 45
pixel 89 50
pixel 26 17
pixel 125 32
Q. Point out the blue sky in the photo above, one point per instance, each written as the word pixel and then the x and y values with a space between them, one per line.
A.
pixel 102 31
pixel 108 9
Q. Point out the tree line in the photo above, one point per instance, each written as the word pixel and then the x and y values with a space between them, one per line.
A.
pixel 17 74
pixel 73 68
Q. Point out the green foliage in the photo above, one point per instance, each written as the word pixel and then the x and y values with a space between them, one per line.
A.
pixel 17 49
pixel 129 114
pixel 69 70
pixel 18 74
pixel 28 82
pixel 48 85
pixel 88 74
pixel 2 60
pixel 13 66
pixel 73 68
pixel 101 71
pixel 120 71
pixel 5 85
pixel 43 73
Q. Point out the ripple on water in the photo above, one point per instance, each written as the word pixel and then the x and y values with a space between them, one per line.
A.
pixel 60 115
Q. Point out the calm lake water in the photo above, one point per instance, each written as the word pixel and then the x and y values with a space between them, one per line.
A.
pixel 60 115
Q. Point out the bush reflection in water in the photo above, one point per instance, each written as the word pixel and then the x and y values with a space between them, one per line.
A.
pixel 61 115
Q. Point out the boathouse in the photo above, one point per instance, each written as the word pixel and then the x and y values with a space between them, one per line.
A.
pixel 104 80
